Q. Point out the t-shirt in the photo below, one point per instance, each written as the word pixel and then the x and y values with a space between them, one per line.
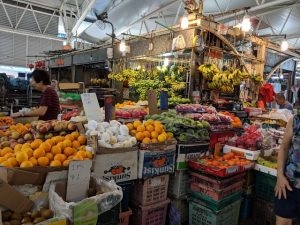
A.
pixel 50 99
pixel 287 105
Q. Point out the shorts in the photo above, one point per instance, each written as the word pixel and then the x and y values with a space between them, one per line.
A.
pixel 288 208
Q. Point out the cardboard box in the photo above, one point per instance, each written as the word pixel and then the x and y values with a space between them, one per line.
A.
pixel 116 164
pixel 155 163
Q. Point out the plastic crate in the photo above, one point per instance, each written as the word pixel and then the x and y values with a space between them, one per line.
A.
pixel 217 194
pixel 178 184
pixel 150 215
pixel 213 204
pixel 110 217
pixel 246 207
pixel 126 188
pixel 199 214
pixel 215 182
pixel 124 217
pixel 150 191
pixel 178 212
pixel 263 212
pixel 264 186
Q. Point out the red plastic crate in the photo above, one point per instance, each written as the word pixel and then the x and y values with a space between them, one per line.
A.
pixel 150 191
pixel 124 217
pixel 150 215
pixel 214 182
pixel 217 194
pixel 216 171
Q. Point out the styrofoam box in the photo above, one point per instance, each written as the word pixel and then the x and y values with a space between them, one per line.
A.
pixel 248 154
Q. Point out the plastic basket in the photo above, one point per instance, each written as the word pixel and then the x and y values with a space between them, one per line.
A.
pixel 217 194
pixel 213 204
pixel 126 188
pixel 215 182
pixel 124 217
pixel 150 215
pixel 150 191
pixel 264 186
pixel 263 212
pixel 178 184
pixel 199 214
pixel 110 217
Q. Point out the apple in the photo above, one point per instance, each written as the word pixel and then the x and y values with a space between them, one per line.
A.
pixel 5 144
pixel 39 136
pixel 27 136
pixel 136 114
pixel 71 126
pixel 21 141
pixel 43 129
pixel 15 135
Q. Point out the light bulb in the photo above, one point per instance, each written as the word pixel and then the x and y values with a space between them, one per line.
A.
pixel 184 22
pixel 166 62
pixel 122 46
pixel 246 23
pixel 284 45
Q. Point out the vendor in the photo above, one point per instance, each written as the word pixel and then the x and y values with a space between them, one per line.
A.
pixel 49 104
pixel 283 104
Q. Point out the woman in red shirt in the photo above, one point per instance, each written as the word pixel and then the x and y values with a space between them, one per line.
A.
pixel 49 104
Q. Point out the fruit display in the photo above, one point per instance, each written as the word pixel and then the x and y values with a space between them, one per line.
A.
pixel 28 218
pixel 130 113
pixel 257 78
pixel 225 161
pixel 126 103
pixel 151 131
pixel 69 97
pixel 268 161
pixel 174 101
pixel 208 70
pixel 111 135
pixel 183 128
pixel 99 82
pixel 195 108
pixel 6 121
pixel 251 139
pixel 56 151
pixel 210 117
pixel 235 121
pixel 69 114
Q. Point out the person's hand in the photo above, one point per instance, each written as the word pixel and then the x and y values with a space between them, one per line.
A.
pixel 16 115
pixel 282 186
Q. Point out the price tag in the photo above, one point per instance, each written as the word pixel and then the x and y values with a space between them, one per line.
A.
pixel 78 180
pixel 232 169
pixel 91 106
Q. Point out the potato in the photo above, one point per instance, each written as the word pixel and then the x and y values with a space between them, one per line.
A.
pixel 26 219
pixel 47 213
pixel 35 214
pixel 38 220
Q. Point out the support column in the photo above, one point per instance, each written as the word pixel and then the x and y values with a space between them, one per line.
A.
pixel 73 73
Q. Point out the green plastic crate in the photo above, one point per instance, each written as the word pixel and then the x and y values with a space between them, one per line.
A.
pixel 213 204
pixel 264 186
pixel 199 214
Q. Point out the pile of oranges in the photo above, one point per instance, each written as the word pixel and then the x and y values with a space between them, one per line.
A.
pixel 55 152
pixel 149 132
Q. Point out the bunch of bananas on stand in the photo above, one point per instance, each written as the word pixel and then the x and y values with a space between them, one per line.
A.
pixel 208 70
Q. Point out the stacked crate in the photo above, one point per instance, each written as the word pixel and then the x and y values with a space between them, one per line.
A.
pixel 215 200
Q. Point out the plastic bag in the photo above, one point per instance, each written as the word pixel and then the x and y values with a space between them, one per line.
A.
pixel 110 195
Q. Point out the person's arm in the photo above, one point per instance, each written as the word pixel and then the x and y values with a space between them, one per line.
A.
pixel 282 182
pixel 41 111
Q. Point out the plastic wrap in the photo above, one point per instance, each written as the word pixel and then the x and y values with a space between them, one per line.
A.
pixel 109 196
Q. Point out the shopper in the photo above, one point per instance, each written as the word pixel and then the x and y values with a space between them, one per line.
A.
pixel 49 104
pixel 287 190
pixel 283 104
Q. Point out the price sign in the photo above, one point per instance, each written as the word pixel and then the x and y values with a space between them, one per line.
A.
pixel 91 106
pixel 78 180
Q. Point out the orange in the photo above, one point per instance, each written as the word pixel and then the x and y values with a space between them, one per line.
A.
pixel 148 123
pixel 76 144
pixel 38 153
pixel 159 129
pixel 67 143
pixel 61 145
pixel 140 129
pixel 162 138
pixel 66 162
pixel 36 143
pixel 89 154
pixel 69 137
pixel 54 140
pixel 51 142
pixel 6 164
pixel 82 153
pixel 2 159
pixel 21 157
pixel 130 126
pixel 146 140
pixel 71 157
pixel 13 162
pixel 33 161
pixel 139 136
pixel 133 132
pixel 18 147
pixel 55 163
pixel 26 164
pixel 147 134
pixel 69 151
pixel 60 157
pixel 154 134
pixel 55 150
pixel 43 161
pixel 137 123
pixel 49 156
pixel 77 157
pixel 9 155
pixel 46 147
pixel 82 139
pixel 28 151
pixel 75 135
pixel 26 145
pixel 6 150
pixel 150 128
pixel 157 123
pixel 154 140
pixel 170 135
